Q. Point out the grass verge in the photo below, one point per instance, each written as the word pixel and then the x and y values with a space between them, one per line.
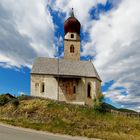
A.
pixel 56 117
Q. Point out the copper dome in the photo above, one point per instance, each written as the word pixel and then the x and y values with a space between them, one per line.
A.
pixel 72 25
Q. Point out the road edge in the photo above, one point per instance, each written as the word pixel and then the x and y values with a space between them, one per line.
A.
pixel 45 132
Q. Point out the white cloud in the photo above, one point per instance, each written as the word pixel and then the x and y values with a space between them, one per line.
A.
pixel 27 28
pixel 81 12
pixel 114 39
pixel 20 93
pixel 117 39
pixel 81 9
pixel 27 31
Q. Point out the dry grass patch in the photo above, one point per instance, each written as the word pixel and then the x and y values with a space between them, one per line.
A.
pixel 56 117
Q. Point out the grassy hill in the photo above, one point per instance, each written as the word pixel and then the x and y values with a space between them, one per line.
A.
pixel 58 117
pixel 108 106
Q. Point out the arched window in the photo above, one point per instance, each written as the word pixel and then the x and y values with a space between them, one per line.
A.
pixel 36 86
pixel 74 89
pixel 71 49
pixel 42 87
pixel 89 90
pixel 72 35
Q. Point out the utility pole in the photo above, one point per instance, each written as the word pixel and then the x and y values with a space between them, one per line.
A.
pixel 58 73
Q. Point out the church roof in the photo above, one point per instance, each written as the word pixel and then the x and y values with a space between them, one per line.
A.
pixel 49 66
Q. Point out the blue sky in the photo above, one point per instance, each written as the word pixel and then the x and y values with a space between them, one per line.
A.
pixel 109 36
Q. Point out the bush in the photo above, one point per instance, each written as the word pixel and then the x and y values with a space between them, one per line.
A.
pixel 15 102
pixel 98 103
pixel 3 100
pixel 24 97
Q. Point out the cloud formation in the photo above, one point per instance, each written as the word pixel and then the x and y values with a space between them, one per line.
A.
pixel 115 42
pixel 26 30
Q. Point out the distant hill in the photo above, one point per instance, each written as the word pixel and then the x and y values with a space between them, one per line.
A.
pixel 60 117
pixel 108 106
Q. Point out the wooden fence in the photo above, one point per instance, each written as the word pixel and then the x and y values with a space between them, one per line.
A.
pixel 128 114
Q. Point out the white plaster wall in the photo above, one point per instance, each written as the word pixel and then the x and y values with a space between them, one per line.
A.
pixel 81 90
pixel 68 36
pixel 36 79
pixel 50 84
pixel 51 88
pixel 95 90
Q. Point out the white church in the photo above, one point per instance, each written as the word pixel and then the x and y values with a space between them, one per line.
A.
pixel 69 79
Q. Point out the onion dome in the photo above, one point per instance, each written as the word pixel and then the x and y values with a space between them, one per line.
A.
pixel 72 24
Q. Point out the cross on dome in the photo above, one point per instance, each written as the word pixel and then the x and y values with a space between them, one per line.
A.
pixel 72 13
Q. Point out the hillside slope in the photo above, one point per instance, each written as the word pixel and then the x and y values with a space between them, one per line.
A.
pixel 56 117
pixel 108 106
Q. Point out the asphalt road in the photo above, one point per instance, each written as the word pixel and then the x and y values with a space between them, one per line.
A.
pixel 14 133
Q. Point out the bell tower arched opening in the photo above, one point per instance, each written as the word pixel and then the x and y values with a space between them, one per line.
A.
pixel 72 36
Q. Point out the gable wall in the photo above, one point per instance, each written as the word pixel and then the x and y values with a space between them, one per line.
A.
pixel 50 89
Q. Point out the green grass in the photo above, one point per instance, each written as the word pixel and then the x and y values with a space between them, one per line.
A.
pixel 56 117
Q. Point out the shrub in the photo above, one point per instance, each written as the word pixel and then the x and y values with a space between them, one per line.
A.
pixel 15 102
pixel 24 97
pixel 3 99
pixel 98 103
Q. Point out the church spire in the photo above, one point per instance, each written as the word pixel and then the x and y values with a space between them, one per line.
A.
pixel 72 38
pixel 72 13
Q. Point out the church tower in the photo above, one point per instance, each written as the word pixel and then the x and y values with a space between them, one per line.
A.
pixel 72 38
